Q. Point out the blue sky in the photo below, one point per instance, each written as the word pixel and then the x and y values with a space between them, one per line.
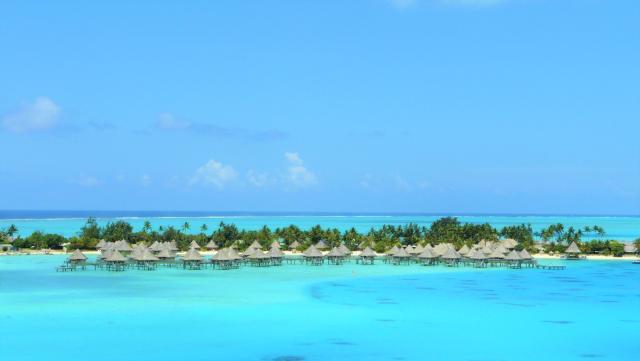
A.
pixel 460 106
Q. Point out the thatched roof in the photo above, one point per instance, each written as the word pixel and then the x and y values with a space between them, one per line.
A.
pixel 116 256
pixel 77 256
pixel 211 245
pixel 275 252
pixel 165 253
pixel 312 252
pixel 294 245
pixel 173 246
pixel 392 251
pixel 255 244
pixel 496 254
pixel 500 248
pixel 509 243
pixel 100 244
pixel 573 248
pixel 417 250
pixel 427 253
pixel 343 249
pixel 275 244
pixel 322 244
pixel 475 254
pixel 259 255
pixel 155 246
pixel 146 256
pixel 194 245
pixel 192 255
pixel 524 254
pixel 401 253
pixel 367 252
pixel 232 253
pixel 486 251
pixel 464 250
pixel 250 251
pixel 335 252
pixel 137 252
pixel 513 256
pixel 451 254
pixel 630 248
pixel 123 246
pixel 106 253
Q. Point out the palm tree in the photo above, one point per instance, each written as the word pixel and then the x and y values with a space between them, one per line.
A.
pixel 203 228
pixel 185 227
pixel 146 227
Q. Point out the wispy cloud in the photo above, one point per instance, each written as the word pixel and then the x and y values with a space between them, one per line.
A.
pixel 213 173
pixel 87 181
pixel 297 173
pixel 145 180
pixel 37 116
pixel 168 122
pixel 259 179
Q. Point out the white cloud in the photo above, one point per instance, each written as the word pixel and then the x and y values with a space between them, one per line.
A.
pixel 87 181
pixel 258 180
pixel 169 122
pixel 297 174
pixel 214 173
pixel 40 115
pixel 145 180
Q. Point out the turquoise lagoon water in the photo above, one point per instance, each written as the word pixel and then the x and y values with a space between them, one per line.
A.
pixel 625 228
pixel 591 310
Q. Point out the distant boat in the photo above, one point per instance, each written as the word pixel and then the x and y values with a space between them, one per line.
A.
pixel 636 261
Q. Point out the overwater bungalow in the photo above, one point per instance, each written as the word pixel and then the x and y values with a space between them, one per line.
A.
pixel 211 245
pixel 426 257
pixel 259 259
pixel 77 257
pixel 275 244
pixel 100 244
pixel 145 260
pixel 496 257
pixel 572 252
pixel 194 245
pixel 335 256
pixel 116 261
pixel 401 257
pixel 344 250
pixel 166 255
pixel 249 252
pixel 451 257
pixel 313 256
pixel 192 259
pixel 477 258
pixel 513 258
pixel 367 256
pixel 276 255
